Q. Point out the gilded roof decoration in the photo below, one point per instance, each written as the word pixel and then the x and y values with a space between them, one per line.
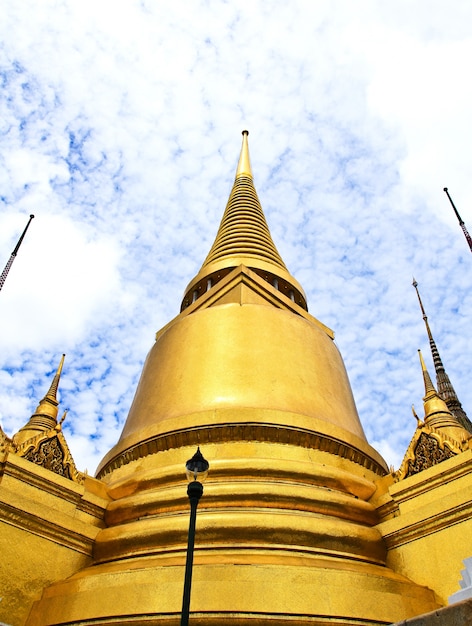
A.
pixel 438 438
pixel 427 448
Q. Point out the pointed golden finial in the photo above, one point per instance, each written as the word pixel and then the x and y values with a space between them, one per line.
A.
pixel 428 384
pixel 418 421
pixel 61 421
pixel 52 393
pixel 244 164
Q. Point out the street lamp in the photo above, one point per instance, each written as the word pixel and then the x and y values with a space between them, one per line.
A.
pixel 197 470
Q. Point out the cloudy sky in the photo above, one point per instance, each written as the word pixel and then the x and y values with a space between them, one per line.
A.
pixel 120 128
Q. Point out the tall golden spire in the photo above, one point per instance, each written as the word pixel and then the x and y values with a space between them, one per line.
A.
pixel 445 389
pixel 243 238
pixel 45 416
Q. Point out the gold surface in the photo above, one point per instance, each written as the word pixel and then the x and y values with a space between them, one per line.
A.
pixel 284 533
pixel 255 594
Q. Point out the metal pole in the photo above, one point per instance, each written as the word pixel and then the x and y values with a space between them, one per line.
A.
pixel 194 492
pixel 461 221
pixel 4 274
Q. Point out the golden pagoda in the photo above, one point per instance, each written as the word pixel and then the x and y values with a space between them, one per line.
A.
pixel 300 523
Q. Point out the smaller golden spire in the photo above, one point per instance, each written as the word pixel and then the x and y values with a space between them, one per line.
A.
pixel 52 393
pixel 45 416
pixel 48 405
pixel 430 391
pixel 244 164
pixel 436 412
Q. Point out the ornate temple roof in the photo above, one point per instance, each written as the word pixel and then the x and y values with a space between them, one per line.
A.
pixel 438 437
pixel 41 440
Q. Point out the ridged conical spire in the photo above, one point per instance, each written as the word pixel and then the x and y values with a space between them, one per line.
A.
pixel 244 238
pixel 45 416
pixel 436 412
pixel 243 231
pixel 52 393
pixel 445 389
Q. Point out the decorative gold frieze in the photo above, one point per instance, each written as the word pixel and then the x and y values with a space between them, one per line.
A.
pixel 243 432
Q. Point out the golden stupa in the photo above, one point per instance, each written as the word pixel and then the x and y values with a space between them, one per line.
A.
pixel 301 521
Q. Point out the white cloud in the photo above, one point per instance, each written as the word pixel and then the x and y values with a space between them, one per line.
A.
pixel 59 284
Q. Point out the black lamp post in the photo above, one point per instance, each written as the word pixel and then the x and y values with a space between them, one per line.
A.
pixel 197 470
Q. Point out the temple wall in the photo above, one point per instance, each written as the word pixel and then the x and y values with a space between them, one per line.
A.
pixel 427 524
pixel 48 524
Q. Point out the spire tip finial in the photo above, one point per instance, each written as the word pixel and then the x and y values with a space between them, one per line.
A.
pixel 244 165
pixel 428 383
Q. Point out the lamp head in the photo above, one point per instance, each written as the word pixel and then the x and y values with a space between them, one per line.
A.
pixel 197 467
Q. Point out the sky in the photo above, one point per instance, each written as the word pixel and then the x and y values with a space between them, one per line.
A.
pixel 120 126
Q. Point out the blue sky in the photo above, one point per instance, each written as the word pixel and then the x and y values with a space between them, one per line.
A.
pixel 120 130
